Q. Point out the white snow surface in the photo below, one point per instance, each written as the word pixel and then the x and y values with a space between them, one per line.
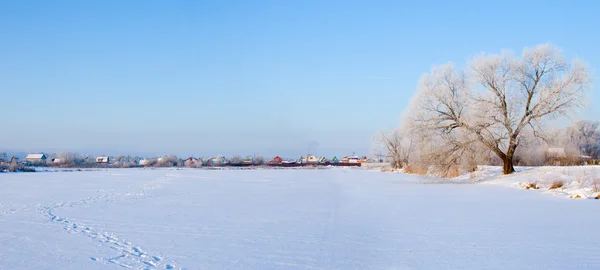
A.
pixel 569 181
pixel 288 219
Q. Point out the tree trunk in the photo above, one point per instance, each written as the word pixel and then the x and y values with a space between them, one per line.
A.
pixel 508 167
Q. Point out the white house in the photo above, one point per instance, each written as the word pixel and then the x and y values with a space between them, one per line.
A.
pixel 350 159
pixel 36 157
pixel 312 159
pixel 102 160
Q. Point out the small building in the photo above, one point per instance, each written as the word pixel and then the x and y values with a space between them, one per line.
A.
pixel 191 162
pixel 102 160
pixel 276 160
pixel 350 159
pixel 335 160
pixel 36 158
pixel 248 160
pixel 311 159
pixel 219 160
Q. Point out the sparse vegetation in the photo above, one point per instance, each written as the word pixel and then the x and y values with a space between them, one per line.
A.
pixel 414 169
pixel 532 185
pixel 557 184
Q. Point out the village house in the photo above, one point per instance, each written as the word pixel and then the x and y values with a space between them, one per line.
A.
pixel 102 160
pixel 248 160
pixel 36 158
pixel 311 159
pixel 350 159
pixel 276 160
pixel 219 160
pixel 192 162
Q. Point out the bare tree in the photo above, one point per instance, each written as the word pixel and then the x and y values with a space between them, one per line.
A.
pixel 498 96
pixel 397 147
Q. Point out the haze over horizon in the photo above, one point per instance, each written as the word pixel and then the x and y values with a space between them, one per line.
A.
pixel 238 77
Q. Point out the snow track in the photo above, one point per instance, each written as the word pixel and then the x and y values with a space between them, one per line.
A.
pixel 128 255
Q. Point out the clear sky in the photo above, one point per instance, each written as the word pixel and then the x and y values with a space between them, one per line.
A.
pixel 245 77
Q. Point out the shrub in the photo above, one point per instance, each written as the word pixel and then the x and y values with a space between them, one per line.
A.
pixel 412 169
pixel 388 169
pixel 557 184
pixel 451 173
pixel 531 186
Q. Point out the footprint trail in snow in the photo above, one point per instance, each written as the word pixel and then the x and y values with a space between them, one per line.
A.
pixel 128 255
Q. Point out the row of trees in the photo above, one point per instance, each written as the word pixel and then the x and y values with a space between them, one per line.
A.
pixel 494 110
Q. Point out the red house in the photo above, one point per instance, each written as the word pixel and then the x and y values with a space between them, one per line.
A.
pixel 276 160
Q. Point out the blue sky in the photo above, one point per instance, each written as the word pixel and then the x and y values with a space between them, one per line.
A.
pixel 245 77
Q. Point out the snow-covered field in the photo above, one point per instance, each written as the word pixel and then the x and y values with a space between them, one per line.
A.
pixel 289 219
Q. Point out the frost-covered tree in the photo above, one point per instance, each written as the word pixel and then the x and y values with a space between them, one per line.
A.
pixel 397 146
pixel 69 158
pixel 167 161
pixel 585 137
pixel 532 149
pixel 236 160
pixel 258 160
pixel 498 96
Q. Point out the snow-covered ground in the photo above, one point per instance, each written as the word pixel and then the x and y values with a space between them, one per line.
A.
pixel 580 182
pixel 288 219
